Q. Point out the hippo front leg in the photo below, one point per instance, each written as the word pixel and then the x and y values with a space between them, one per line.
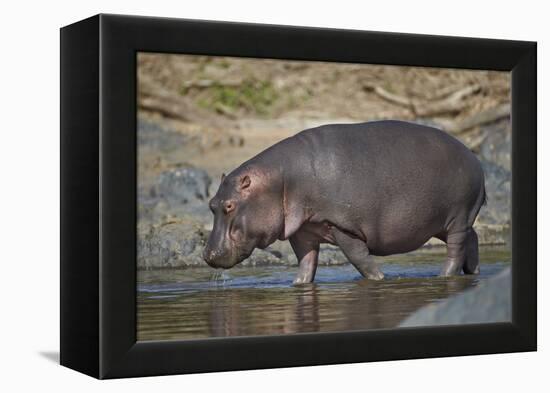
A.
pixel 358 254
pixel 306 249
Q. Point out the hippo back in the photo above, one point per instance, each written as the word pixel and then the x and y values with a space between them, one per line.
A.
pixel 383 180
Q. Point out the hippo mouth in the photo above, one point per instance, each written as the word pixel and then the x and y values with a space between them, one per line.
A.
pixel 241 254
pixel 227 259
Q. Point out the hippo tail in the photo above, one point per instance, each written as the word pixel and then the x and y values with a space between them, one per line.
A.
pixel 485 199
pixel 483 195
pixel 481 201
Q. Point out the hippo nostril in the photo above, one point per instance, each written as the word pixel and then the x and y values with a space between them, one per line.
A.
pixel 210 257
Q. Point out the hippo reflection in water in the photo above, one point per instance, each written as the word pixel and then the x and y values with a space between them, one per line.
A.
pixel 372 189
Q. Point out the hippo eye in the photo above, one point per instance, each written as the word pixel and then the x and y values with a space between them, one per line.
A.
pixel 228 207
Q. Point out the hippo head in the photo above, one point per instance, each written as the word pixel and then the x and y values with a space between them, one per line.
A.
pixel 248 213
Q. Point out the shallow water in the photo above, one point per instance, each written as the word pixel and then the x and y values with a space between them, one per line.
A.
pixel 203 302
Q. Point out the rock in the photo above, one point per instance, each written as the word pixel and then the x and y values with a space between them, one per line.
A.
pixel 182 186
pixel 490 301
pixel 428 122
pixel 331 255
pixel 497 146
pixel 170 245
pixel 214 185
pixel 498 189
pixel 493 233
pixel 177 193
pixel 262 258
pixel 283 251
pixel 159 139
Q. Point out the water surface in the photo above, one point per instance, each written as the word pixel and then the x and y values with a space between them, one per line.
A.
pixel 203 302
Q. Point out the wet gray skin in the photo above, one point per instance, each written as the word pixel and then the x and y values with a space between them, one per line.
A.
pixel 376 188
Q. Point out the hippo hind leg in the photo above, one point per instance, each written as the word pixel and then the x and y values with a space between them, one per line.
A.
pixel 471 264
pixel 462 253
pixel 358 254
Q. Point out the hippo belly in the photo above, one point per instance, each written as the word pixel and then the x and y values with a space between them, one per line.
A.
pixel 396 240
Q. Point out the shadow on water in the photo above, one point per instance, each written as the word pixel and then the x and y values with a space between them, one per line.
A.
pixel 201 302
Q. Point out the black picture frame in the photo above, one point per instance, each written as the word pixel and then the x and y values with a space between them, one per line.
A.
pixel 98 195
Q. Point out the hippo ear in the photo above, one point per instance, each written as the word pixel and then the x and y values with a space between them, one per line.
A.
pixel 245 182
pixel 223 177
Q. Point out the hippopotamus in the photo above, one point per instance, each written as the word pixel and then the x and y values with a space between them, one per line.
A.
pixel 372 189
